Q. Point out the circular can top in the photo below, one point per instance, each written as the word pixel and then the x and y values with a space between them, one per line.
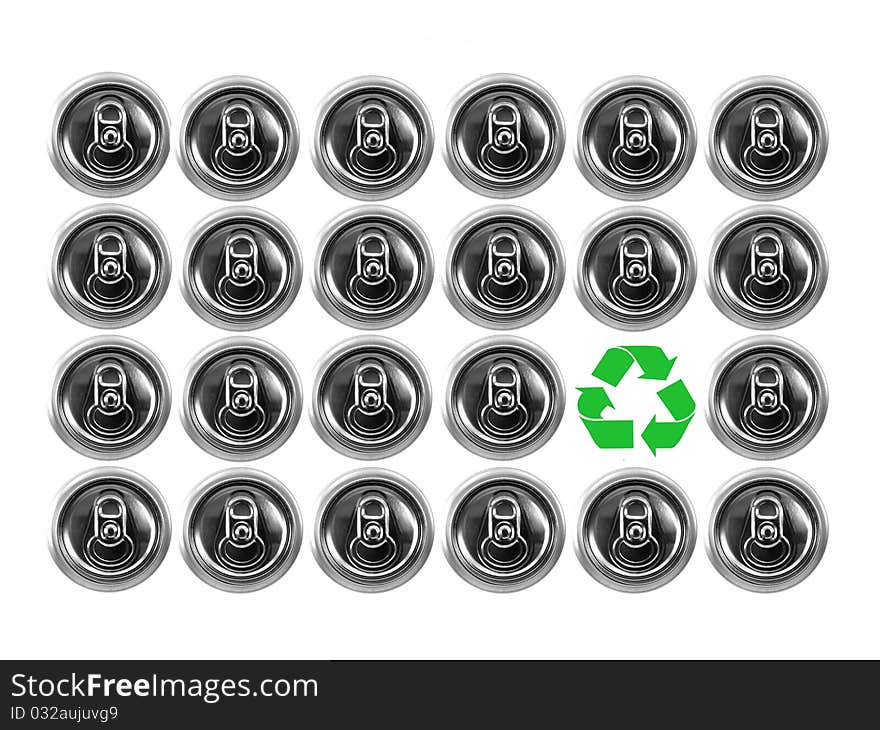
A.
pixel 505 530
pixel 767 138
pixel 505 267
pixel 505 136
pixel 374 267
pixel 768 267
pixel 767 398
pixel 767 531
pixel 242 530
pixel 636 138
pixel 374 530
pixel 238 139
pixel 636 530
pixel 110 529
pixel 636 268
pixel 371 398
pixel 242 399
pixel 110 135
pixel 110 266
pixel 242 268
pixel 373 139
pixel 110 397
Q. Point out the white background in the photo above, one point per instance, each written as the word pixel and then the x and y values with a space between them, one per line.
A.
pixel 436 49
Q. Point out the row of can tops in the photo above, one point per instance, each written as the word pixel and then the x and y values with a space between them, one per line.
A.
pixel 371 398
pixel 374 267
pixel 635 137
pixel 635 530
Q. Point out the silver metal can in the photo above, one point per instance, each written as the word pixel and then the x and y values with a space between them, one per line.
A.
pixel 110 397
pixel 374 267
pixel 505 267
pixel 110 135
pixel 505 136
pixel 242 530
pixel 110 529
pixel 636 138
pixel 238 138
pixel 374 530
pixel 371 398
pixel 504 531
pixel 242 399
pixel 767 531
pixel 767 398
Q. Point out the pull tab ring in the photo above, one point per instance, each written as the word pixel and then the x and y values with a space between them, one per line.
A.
pixel 109 546
pixel 370 413
pixel 239 283
pixel 765 152
pixel 504 413
pixel 504 152
pixel 635 155
pixel 504 283
pixel 766 413
pixel 635 547
pixel 240 546
pixel 766 284
pixel 109 282
pixel 108 151
pixel 241 414
pixel 371 280
pixel 108 413
pixel 765 545
pixel 373 546
pixel 635 283
pixel 504 546
pixel 237 153
pixel 371 152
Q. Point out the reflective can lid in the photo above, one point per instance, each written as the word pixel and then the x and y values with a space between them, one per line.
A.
pixel 238 139
pixel 110 135
pixel 505 530
pixel 371 398
pixel 110 266
pixel 110 529
pixel 374 530
pixel 767 138
pixel 110 397
pixel 636 530
pixel 768 530
pixel 636 138
pixel 505 136
pixel 242 399
pixel 242 530
pixel 374 267
pixel 767 398
pixel 505 267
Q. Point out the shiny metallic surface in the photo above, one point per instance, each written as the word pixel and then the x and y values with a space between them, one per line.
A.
pixel 504 531
pixel 371 397
pixel 374 530
pixel 242 399
pixel 110 397
pixel 768 267
pixel 636 268
pixel 242 530
pixel 374 267
pixel 110 529
pixel 636 530
pixel 505 267
pixel 767 398
pixel 373 138
pixel 767 530
pixel 238 138
pixel 504 398
pixel 110 135
pixel 110 266
pixel 242 268
pixel 767 138
pixel 505 136
pixel 636 138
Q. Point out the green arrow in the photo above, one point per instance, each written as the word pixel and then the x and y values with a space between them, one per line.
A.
pixel 681 406
pixel 605 434
pixel 613 366
pixel 616 362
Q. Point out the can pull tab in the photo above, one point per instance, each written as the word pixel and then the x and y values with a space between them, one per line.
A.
pixel 241 414
pixel 239 283
pixel 635 283
pixel 765 153
pixel 634 546
pixel 370 412
pixel 109 546
pixel 765 282
pixel 240 545
pixel 504 282
pixel 371 280
pixel 373 546
pixel 504 545
pixel 504 151
pixel 108 281
pixel 107 412
pixel 108 151
pixel 635 154
pixel 504 411
pixel 236 152
pixel 766 413
pixel 765 545
pixel 371 153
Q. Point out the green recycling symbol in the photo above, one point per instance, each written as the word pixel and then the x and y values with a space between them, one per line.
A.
pixel 658 434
